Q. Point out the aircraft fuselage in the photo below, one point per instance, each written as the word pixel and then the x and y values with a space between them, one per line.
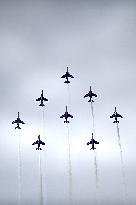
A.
pixel 38 148
pixel 66 117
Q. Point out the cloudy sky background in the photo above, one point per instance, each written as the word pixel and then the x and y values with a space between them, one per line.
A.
pixel 39 39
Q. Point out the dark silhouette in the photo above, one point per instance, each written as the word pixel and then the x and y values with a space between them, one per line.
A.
pixel 67 75
pixel 116 115
pixel 66 116
pixel 41 99
pixel 92 142
pixel 18 121
pixel 90 94
pixel 38 142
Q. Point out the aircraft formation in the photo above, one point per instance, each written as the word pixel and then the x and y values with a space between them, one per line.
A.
pixel 66 115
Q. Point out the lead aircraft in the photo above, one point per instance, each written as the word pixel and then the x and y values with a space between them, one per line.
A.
pixel 67 75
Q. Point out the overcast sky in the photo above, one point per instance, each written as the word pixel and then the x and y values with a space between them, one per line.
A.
pixel 38 40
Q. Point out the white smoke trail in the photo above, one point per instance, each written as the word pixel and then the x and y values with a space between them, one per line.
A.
pixel 44 159
pixel 40 179
pixel 95 157
pixel 19 169
pixel 96 168
pixel 69 169
pixel 69 151
pixel 122 166
pixel 92 112
pixel 69 98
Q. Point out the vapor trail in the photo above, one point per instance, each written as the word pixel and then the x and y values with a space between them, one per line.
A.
pixel 96 169
pixel 19 169
pixel 92 112
pixel 42 122
pixel 122 165
pixel 95 157
pixel 69 169
pixel 44 159
pixel 69 98
pixel 40 179
pixel 69 152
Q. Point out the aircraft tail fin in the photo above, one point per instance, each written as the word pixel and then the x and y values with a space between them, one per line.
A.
pixel 93 148
pixel 67 81
pixel 18 127
pixel 116 122
pixel 38 148
pixel 66 121
pixel 90 100
pixel 42 104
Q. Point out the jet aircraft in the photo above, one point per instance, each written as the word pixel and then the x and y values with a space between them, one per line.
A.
pixel 38 142
pixel 90 94
pixel 92 142
pixel 18 121
pixel 66 116
pixel 116 115
pixel 41 99
pixel 67 75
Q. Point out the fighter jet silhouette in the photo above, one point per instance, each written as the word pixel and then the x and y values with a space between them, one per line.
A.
pixel 90 94
pixel 18 121
pixel 67 75
pixel 41 99
pixel 38 142
pixel 116 115
pixel 66 116
pixel 92 142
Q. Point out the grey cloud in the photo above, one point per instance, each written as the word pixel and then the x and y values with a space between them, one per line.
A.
pixel 39 39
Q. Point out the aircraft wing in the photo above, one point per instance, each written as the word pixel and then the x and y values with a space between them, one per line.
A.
pixel 42 142
pixel 45 99
pixel 64 76
pixel 96 142
pixel 112 116
pixel 38 99
pixel 70 116
pixel 35 142
pixel 71 76
pixel 89 142
pixel 20 121
pixel 86 95
pixel 118 115
pixel 15 121
pixel 62 116
pixel 93 94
